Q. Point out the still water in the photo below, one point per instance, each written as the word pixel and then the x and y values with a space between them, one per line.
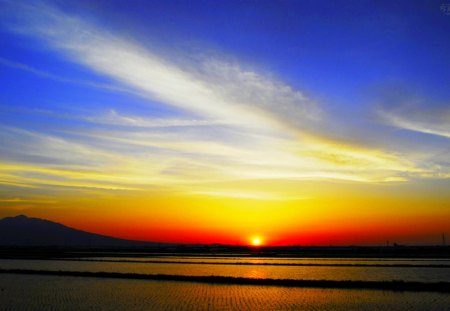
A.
pixel 40 292
pixel 29 292
pixel 424 270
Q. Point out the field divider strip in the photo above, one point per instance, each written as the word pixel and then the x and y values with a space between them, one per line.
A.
pixel 395 285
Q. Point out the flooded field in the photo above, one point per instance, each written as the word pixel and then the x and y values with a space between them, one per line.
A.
pixel 29 292
pixel 412 270
pixel 65 291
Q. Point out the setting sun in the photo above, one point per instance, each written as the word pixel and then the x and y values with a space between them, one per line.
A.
pixel 254 154
pixel 256 241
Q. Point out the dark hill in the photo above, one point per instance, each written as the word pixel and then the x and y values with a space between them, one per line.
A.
pixel 26 231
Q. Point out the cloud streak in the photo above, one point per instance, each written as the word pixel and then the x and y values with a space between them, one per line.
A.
pixel 115 118
pixel 437 123
pixel 51 76
pixel 233 123
pixel 218 89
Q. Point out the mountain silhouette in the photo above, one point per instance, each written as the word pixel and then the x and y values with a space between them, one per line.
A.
pixel 26 231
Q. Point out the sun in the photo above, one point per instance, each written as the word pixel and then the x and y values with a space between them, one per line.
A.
pixel 256 241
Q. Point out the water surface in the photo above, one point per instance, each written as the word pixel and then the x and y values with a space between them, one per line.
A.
pixel 30 292
pixel 372 271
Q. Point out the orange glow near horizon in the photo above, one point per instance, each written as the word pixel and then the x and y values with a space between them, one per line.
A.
pixel 183 219
pixel 164 132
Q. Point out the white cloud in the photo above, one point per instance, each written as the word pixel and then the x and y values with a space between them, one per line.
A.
pixel 52 76
pixel 115 118
pixel 219 90
pixel 246 125
pixel 419 120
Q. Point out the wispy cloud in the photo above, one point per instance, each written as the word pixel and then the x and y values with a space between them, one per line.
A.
pixel 419 120
pixel 242 125
pixel 52 76
pixel 248 195
pixel 218 90
pixel 22 200
pixel 115 118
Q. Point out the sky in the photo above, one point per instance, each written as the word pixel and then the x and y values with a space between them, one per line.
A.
pixel 295 122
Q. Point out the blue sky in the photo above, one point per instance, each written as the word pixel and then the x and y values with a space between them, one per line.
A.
pixel 194 96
